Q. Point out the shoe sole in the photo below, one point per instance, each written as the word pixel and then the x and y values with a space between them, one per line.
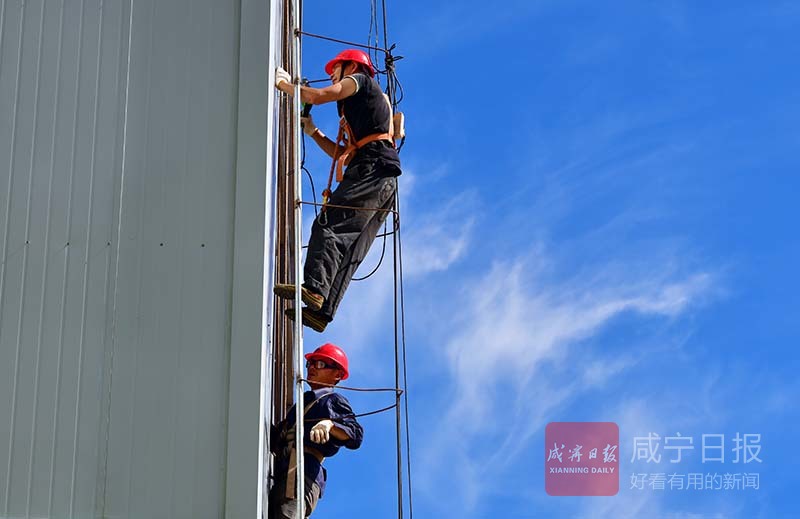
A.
pixel 287 292
pixel 308 320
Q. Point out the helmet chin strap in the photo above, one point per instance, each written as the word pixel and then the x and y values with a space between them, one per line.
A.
pixel 342 73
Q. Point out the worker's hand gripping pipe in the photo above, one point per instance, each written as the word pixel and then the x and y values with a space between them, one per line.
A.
pixel 298 272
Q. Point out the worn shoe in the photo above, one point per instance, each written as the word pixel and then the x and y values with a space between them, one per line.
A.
pixel 314 320
pixel 286 291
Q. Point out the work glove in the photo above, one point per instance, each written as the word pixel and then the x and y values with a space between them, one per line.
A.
pixel 282 76
pixel 308 125
pixel 321 432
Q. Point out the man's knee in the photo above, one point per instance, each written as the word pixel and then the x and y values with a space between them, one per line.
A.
pixel 282 508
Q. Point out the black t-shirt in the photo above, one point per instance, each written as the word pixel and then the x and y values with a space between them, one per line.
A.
pixel 368 112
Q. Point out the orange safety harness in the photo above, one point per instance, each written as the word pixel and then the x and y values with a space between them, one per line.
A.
pixel 345 145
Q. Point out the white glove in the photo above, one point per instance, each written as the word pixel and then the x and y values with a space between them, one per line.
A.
pixel 308 125
pixel 321 432
pixel 282 76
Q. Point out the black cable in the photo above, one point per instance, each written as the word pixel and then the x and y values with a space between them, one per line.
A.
pixel 380 261
pixel 398 418
pixel 361 389
pixel 376 412
pixel 344 42
pixel 391 88
pixel 385 32
pixel 373 24
pixel 405 366
pixel 308 173
pixel 360 415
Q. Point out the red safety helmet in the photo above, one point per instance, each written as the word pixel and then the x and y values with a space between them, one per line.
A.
pixel 332 353
pixel 351 55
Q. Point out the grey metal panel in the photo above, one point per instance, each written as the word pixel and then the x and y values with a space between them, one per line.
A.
pixel 168 409
pixel 252 262
pixel 60 91
pixel 120 117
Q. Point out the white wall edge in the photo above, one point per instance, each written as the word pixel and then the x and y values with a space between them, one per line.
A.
pixel 252 265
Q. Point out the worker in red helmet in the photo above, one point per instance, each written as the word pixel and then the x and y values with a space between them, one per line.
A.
pixel 341 237
pixel 329 425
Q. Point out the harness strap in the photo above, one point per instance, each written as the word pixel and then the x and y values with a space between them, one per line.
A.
pixel 314 452
pixel 351 147
pixel 340 160
pixel 291 481
pixel 326 193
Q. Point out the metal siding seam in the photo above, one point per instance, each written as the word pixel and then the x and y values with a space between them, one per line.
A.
pixel 2 27
pixel 160 153
pixel 2 274
pixel 2 31
pixel 169 190
pixel 69 217
pixel 112 339
pixel 10 176
pixel 44 268
pixel 63 305
pixel 180 249
pixel 224 352
pixel 145 152
pixel 87 258
pixel 106 277
pixel 100 449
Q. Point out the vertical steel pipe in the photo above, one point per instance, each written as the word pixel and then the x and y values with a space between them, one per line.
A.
pixel 298 271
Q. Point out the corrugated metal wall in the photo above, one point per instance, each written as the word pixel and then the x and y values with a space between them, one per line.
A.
pixel 118 153
pixel 61 88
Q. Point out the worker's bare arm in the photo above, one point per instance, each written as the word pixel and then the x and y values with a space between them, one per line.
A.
pixel 318 96
pixel 326 144
pixel 341 90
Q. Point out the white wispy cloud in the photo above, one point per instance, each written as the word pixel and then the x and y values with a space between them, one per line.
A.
pixel 637 414
pixel 510 359
pixel 440 237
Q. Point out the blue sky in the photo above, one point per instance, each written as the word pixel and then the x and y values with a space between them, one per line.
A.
pixel 599 224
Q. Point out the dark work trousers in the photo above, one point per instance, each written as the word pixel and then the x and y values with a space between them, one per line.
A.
pixel 281 507
pixel 341 238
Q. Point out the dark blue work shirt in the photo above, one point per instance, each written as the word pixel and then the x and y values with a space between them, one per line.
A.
pixel 328 405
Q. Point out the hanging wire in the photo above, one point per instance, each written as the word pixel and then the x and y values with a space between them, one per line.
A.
pixel 405 363
pixel 395 390
pixel 308 174
pixel 323 80
pixel 373 24
pixel 392 88
pixel 350 207
pixel 380 261
pixel 360 415
pixel 343 42
pixel 359 389
pixel 399 444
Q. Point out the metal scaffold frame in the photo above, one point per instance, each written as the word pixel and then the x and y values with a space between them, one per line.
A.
pixel 289 253
pixel 298 270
